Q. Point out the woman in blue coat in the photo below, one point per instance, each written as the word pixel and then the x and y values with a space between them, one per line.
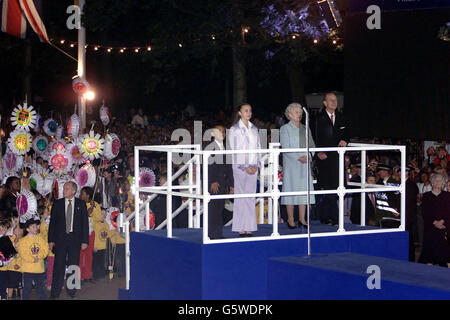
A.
pixel 295 175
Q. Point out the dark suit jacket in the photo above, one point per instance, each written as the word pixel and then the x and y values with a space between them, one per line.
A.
pixel 327 135
pixel 57 227
pixel 221 172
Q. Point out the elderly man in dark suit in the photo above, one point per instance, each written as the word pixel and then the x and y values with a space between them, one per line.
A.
pixel 329 130
pixel 220 181
pixel 68 233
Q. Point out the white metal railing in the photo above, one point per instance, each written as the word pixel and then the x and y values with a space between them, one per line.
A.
pixel 199 192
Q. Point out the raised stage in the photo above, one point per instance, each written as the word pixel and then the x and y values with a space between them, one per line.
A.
pixel 183 268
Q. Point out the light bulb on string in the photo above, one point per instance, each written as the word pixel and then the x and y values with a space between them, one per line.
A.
pixel 62 41
pixel 149 48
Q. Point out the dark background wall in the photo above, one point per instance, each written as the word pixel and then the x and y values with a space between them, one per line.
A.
pixel 397 78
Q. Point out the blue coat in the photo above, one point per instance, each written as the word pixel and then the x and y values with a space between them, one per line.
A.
pixel 294 172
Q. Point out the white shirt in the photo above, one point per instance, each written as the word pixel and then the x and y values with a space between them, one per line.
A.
pixel 73 209
pixel 329 115
pixel 220 144
pixel 252 141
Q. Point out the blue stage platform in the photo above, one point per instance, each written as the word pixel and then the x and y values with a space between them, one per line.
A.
pixel 345 276
pixel 182 268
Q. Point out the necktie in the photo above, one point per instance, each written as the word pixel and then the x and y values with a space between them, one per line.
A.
pixel 332 119
pixel 372 199
pixel 69 216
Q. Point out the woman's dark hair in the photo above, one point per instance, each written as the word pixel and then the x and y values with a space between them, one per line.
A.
pixel 9 182
pixel 89 191
pixel 236 112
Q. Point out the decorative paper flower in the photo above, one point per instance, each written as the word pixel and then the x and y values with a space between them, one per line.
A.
pixel 26 206
pixel 112 215
pixel 104 115
pixel 19 141
pixel 40 144
pixel 24 117
pixel 37 182
pixel 50 127
pixel 146 177
pixel 12 162
pixel 73 126
pixel 75 152
pixel 86 176
pixel 60 162
pixel 112 146
pixel 92 146
pixel 58 146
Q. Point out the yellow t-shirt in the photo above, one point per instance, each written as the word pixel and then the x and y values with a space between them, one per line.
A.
pixel 29 248
pixel 102 233
pixel 95 214
pixel 117 238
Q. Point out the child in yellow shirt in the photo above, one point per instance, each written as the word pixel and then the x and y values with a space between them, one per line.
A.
pixel 102 233
pixel 33 249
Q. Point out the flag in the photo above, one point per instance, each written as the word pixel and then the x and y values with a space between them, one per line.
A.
pixel 18 16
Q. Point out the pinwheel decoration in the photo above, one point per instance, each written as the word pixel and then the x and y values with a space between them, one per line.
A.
pixel 19 141
pixel 24 117
pixel 112 146
pixel 50 127
pixel 112 215
pixel 60 162
pixel 86 176
pixel 12 162
pixel 75 152
pixel 26 206
pixel 146 177
pixel 92 146
pixel 58 146
pixel 37 182
pixel 40 144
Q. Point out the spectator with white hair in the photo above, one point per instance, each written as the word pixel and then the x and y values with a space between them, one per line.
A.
pixel 436 216
pixel 295 173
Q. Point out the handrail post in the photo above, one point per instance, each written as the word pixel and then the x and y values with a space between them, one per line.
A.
pixel 270 186
pixel 341 191
pixel 127 254
pixel 403 189
pixel 363 180
pixel 198 192
pixel 136 186
pixel 275 194
pixel 205 197
pixel 147 216
pixel 169 195
pixel 261 190
pixel 190 178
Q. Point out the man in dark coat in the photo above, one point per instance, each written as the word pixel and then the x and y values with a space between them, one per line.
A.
pixel 412 191
pixel 329 130
pixel 68 233
pixel 220 181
